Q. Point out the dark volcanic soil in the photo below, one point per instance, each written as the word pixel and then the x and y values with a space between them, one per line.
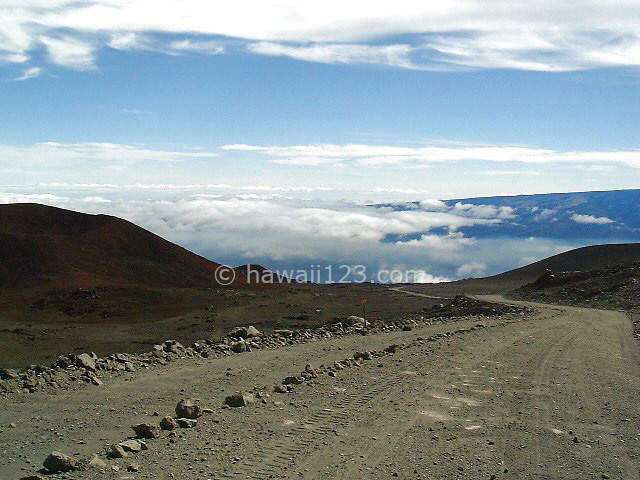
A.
pixel 41 332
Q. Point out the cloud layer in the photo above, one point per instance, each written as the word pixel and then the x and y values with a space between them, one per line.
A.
pixel 382 155
pixel 450 34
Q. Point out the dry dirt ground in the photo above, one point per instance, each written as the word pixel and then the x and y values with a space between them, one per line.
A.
pixel 549 396
pixel 34 336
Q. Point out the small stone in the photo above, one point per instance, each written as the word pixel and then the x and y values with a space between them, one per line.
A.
pixel 146 430
pixel 85 360
pixel 97 462
pixel 134 467
pixel 280 389
pixel 239 347
pixel 188 409
pixel 293 380
pixel 168 423
pixel 239 399
pixel 132 446
pixel 6 374
pixel 116 451
pixel 187 422
pixel 252 331
pixel 59 462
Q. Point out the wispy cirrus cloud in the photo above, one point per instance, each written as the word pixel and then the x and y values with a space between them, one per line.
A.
pixel 46 153
pixel 449 34
pixel 382 155
pixel 397 55
pixel 29 73
pixel 69 52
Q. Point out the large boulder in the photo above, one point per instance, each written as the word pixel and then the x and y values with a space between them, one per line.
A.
pixel 58 462
pixel 188 409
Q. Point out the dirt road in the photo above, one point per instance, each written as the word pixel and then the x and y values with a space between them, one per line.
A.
pixel 553 396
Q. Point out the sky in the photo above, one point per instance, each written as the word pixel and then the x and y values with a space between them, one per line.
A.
pixel 307 104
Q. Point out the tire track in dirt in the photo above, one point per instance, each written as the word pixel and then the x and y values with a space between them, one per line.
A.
pixel 282 453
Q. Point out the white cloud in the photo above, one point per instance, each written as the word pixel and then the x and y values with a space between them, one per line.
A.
pixel 32 72
pixel 376 155
pixel 441 243
pixel 48 198
pixel 590 219
pixel 484 211
pixel 46 153
pixel 127 41
pixel 542 35
pixel 472 269
pixel 204 47
pixel 395 55
pixel 432 205
pixel 96 200
pixel 69 52
pixel 527 261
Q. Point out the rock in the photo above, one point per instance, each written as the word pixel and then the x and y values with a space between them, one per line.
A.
pixel 280 389
pixel 59 462
pixel 116 451
pixel 239 347
pixel 133 446
pixel 354 321
pixel 85 360
pixel 391 348
pixel 31 383
pixel 134 467
pixel 293 380
pixel 97 462
pixel 187 422
pixel 95 380
pixel 121 357
pixel 146 430
pixel 188 409
pixel 252 331
pixel 32 477
pixel 362 355
pixel 64 361
pixel 238 332
pixel 7 374
pixel 168 423
pixel 239 399
pixel 407 328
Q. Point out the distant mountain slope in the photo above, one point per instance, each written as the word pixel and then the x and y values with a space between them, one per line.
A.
pixel 567 215
pixel 581 259
pixel 604 216
pixel 42 245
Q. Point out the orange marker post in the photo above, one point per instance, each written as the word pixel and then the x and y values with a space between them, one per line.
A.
pixel 363 302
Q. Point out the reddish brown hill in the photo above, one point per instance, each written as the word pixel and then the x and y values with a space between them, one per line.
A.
pixel 42 245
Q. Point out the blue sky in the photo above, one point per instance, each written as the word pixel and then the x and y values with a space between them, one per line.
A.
pixel 130 101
